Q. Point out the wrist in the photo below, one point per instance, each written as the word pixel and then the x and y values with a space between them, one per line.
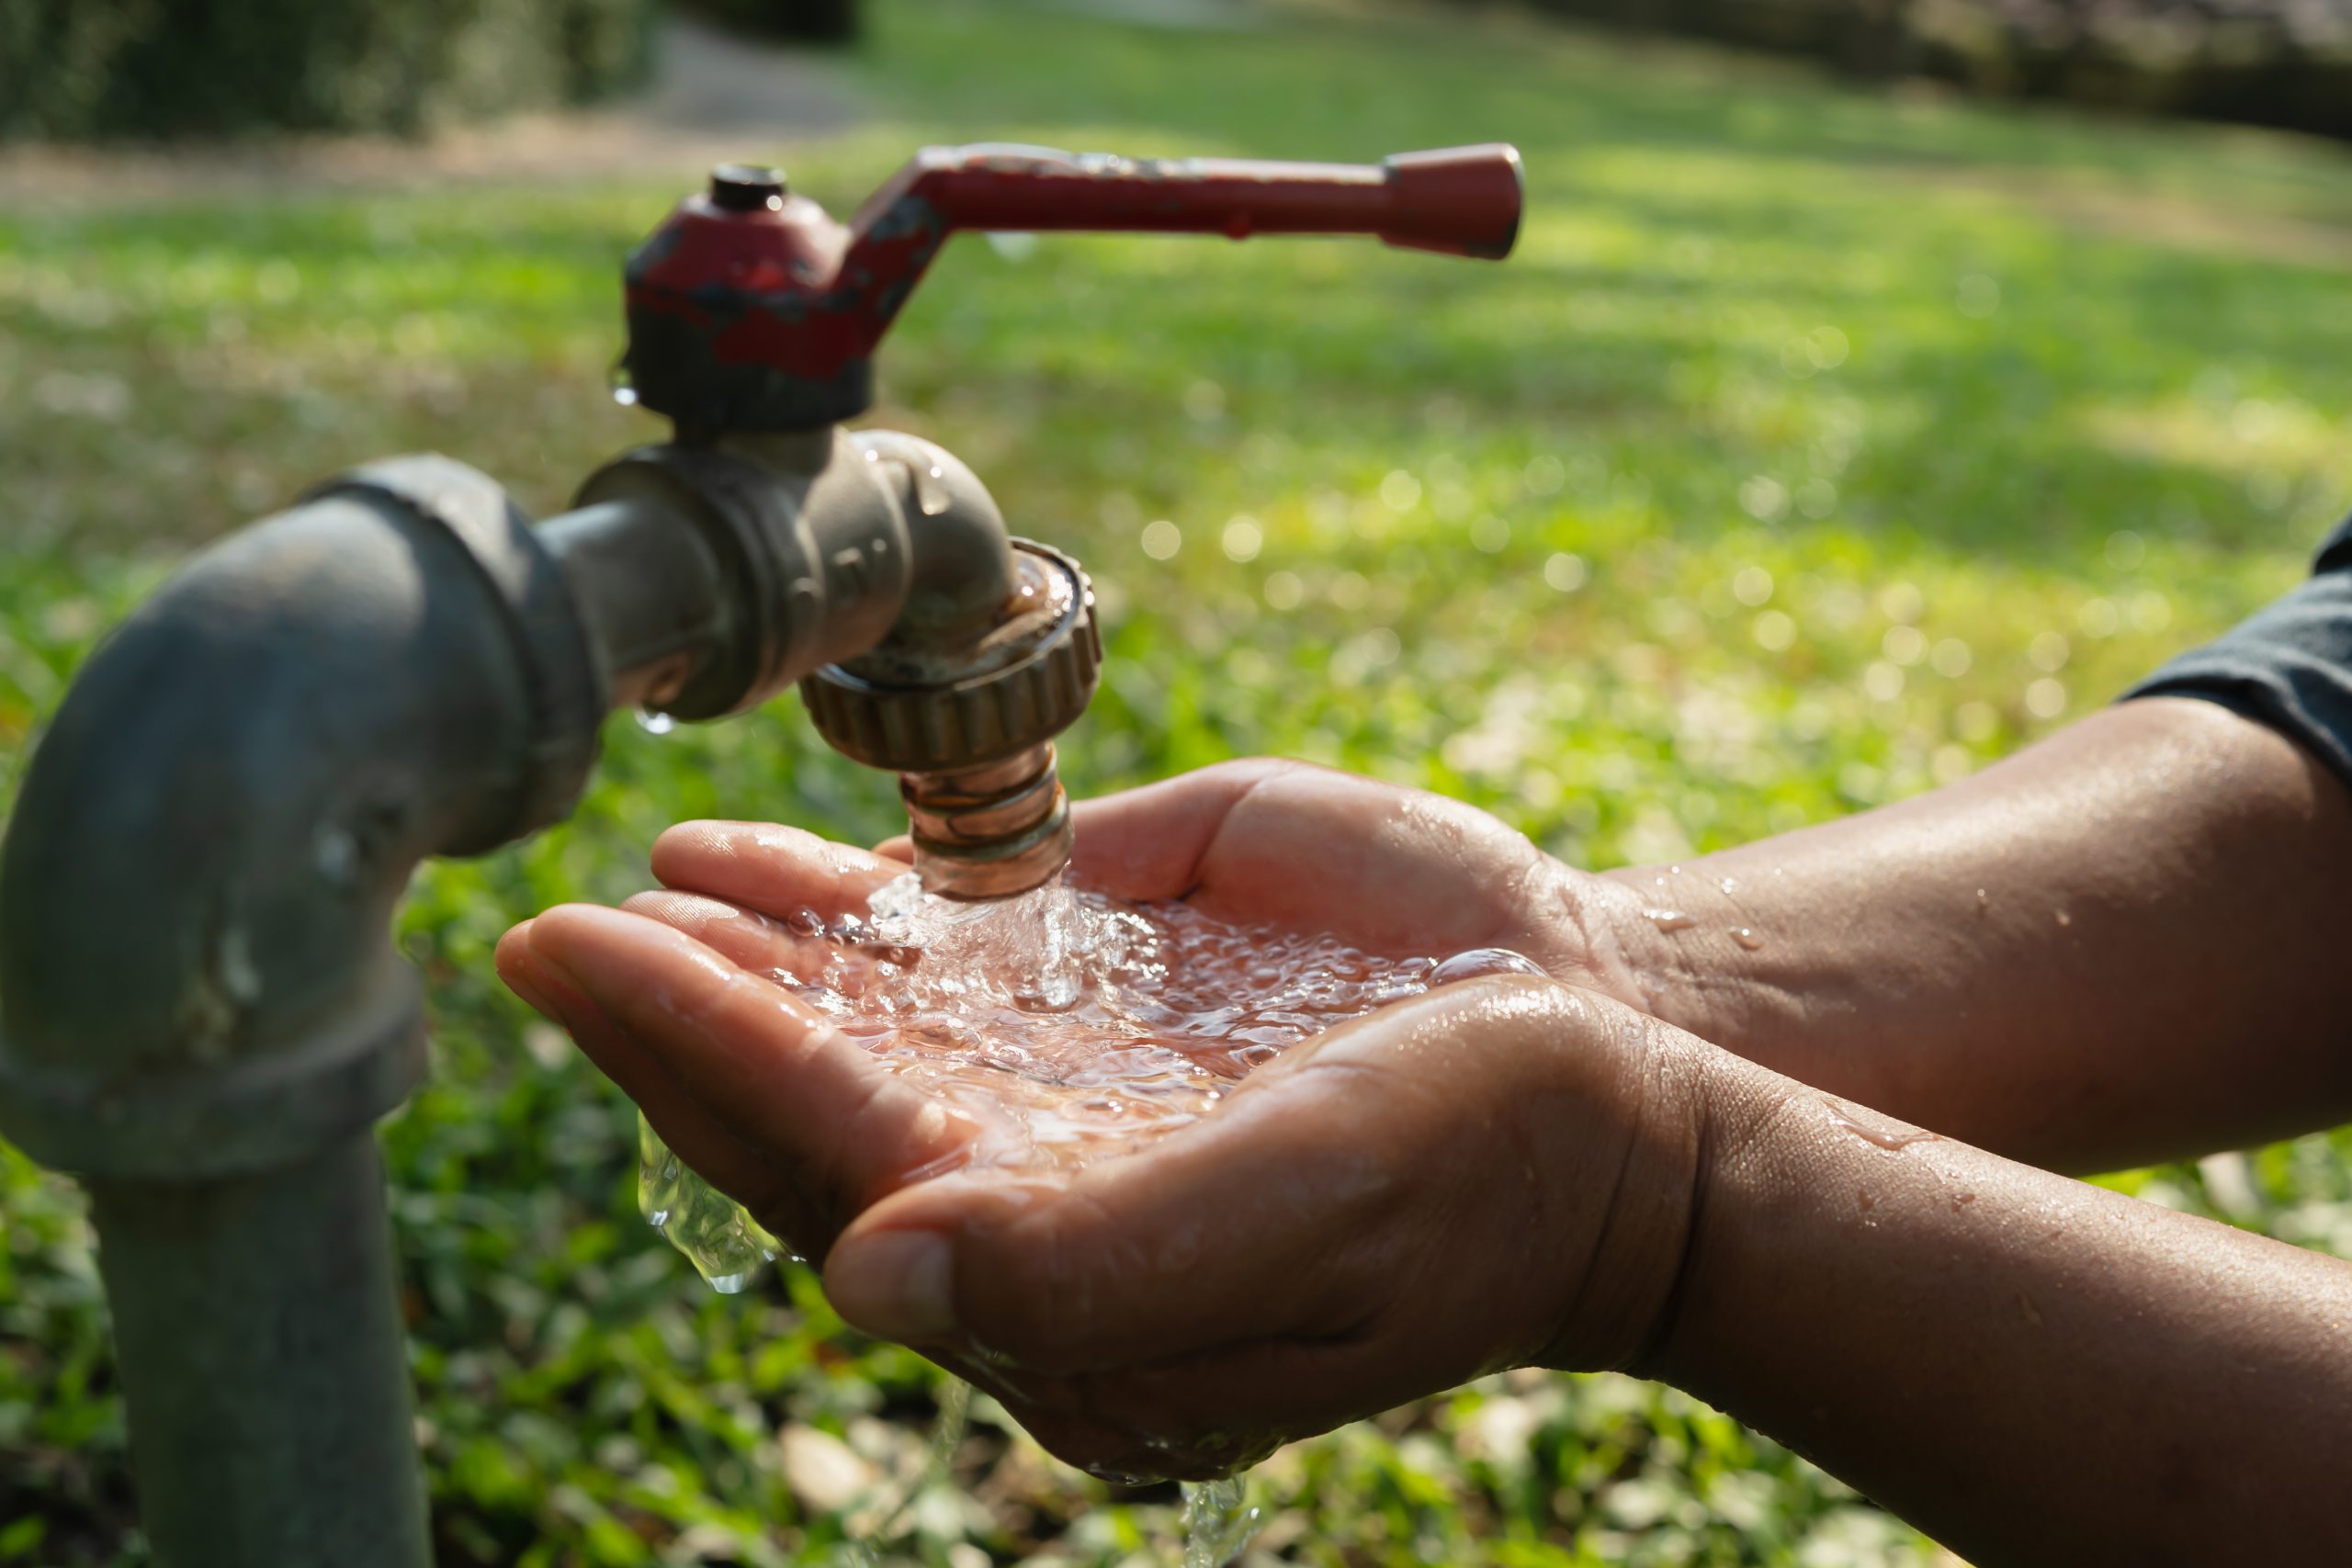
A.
pixel 1745 1132
pixel 1671 937
pixel 1646 1157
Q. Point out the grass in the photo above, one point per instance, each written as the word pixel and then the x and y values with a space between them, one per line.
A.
pixel 1816 447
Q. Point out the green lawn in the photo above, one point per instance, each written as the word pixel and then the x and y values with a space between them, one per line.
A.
pixel 1816 447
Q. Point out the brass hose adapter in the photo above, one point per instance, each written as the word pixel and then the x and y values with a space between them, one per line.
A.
pixel 969 730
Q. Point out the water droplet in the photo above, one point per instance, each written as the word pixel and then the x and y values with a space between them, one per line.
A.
pixel 1747 938
pixel 1217 1521
pixel 1880 1134
pixel 931 489
pixel 336 854
pixel 1668 919
pixel 1480 960
pixel 655 723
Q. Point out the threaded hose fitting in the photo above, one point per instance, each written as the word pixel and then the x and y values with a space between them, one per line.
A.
pixel 990 832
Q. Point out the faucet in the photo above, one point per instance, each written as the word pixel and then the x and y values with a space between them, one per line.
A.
pixel 201 1015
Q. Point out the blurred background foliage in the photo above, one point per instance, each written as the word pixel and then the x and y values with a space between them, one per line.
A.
pixel 2284 62
pixel 149 68
pixel 1818 445
pixel 157 68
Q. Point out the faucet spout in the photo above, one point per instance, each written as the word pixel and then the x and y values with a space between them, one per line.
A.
pixel 994 653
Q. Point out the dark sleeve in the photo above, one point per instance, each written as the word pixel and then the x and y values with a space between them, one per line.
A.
pixel 2289 665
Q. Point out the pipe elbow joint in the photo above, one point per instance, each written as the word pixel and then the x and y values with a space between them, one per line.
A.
pixel 198 883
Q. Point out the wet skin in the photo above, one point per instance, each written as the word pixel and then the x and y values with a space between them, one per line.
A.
pixel 1512 1171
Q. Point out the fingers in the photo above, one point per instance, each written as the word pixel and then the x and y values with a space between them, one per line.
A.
pixel 1197 1417
pixel 766 866
pixel 746 938
pixel 1149 842
pixel 1287 844
pixel 832 1118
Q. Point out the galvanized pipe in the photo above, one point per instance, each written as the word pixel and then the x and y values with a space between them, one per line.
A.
pixel 200 1011
pixel 259 1342
pixel 651 591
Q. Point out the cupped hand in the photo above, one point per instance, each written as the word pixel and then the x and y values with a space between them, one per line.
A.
pixel 1496 1173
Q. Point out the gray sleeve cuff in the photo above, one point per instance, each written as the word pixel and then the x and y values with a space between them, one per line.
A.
pixel 2289 665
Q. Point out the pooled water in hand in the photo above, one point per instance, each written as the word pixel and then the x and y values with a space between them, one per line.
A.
pixel 1075 1028
pixel 1072 1027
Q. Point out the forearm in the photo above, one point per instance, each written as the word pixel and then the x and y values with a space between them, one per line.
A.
pixel 2031 1370
pixel 2121 944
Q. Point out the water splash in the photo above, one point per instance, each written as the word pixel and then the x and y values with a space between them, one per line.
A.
pixel 1218 1522
pixel 725 1243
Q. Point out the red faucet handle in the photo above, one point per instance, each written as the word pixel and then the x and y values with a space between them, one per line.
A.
pixel 749 309
pixel 1459 200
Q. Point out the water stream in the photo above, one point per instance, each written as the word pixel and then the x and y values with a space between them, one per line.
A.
pixel 1075 1028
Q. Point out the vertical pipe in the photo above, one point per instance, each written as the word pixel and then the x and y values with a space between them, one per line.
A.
pixel 260 1345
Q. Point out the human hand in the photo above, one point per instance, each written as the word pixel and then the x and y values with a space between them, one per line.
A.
pixel 1414 1166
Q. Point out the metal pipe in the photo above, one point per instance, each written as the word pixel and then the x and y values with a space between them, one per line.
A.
pixel 257 1336
pixel 650 591
pixel 200 1010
